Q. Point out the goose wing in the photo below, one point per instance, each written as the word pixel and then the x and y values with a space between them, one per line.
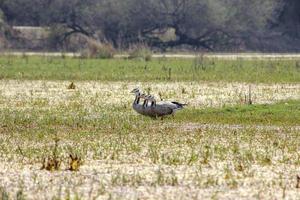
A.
pixel 167 108
pixel 180 105
pixel 161 109
pixel 147 111
pixel 173 105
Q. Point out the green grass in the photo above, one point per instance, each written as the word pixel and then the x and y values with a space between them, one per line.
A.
pixel 121 136
pixel 72 123
pixel 282 113
pixel 198 69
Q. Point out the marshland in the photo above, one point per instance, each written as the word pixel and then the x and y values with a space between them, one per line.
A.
pixel 237 138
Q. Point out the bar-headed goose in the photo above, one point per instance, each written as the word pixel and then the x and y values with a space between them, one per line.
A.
pixel 145 97
pixel 159 109
pixel 148 99
pixel 152 100
pixel 166 108
pixel 136 104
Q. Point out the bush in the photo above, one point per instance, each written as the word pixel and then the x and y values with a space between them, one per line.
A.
pixel 1 18
pixel 55 37
pixel 3 31
pixel 140 51
pixel 95 49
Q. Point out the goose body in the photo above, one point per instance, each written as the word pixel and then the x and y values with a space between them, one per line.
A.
pixel 165 108
pixel 158 109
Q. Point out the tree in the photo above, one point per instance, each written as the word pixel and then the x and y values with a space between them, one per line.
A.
pixel 25 12
pixel 289 18
pixel 209 24
pixel 205 23
pixel 3 31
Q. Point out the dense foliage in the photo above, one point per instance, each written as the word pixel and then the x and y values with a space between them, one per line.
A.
pixel 209 24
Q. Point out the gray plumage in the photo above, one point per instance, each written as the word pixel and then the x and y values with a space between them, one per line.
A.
pixel 159 110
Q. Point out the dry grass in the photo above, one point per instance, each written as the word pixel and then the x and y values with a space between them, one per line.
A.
pixel 95 49
pixel 140 51
pixel 25 94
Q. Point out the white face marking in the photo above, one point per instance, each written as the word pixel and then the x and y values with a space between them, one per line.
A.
pixel 136 91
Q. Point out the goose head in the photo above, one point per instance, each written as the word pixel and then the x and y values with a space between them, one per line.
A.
pixel 136 91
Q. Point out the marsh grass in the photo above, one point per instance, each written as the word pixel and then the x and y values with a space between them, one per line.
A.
pixel 52 162
pixel 145 153
pixel 75 162
pixel 282 113
pixel 63 68
pixel 4 194
pixel 112 136
pixel 140 51
pixel 243 149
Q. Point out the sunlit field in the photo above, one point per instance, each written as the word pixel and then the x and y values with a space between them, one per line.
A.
pixel 238 138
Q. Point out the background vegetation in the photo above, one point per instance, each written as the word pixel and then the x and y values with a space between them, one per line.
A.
pixel 263 25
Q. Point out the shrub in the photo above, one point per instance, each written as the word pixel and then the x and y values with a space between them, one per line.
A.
pixel 55 37
pixel 3 31
pixel 140 51
pixel 95 49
